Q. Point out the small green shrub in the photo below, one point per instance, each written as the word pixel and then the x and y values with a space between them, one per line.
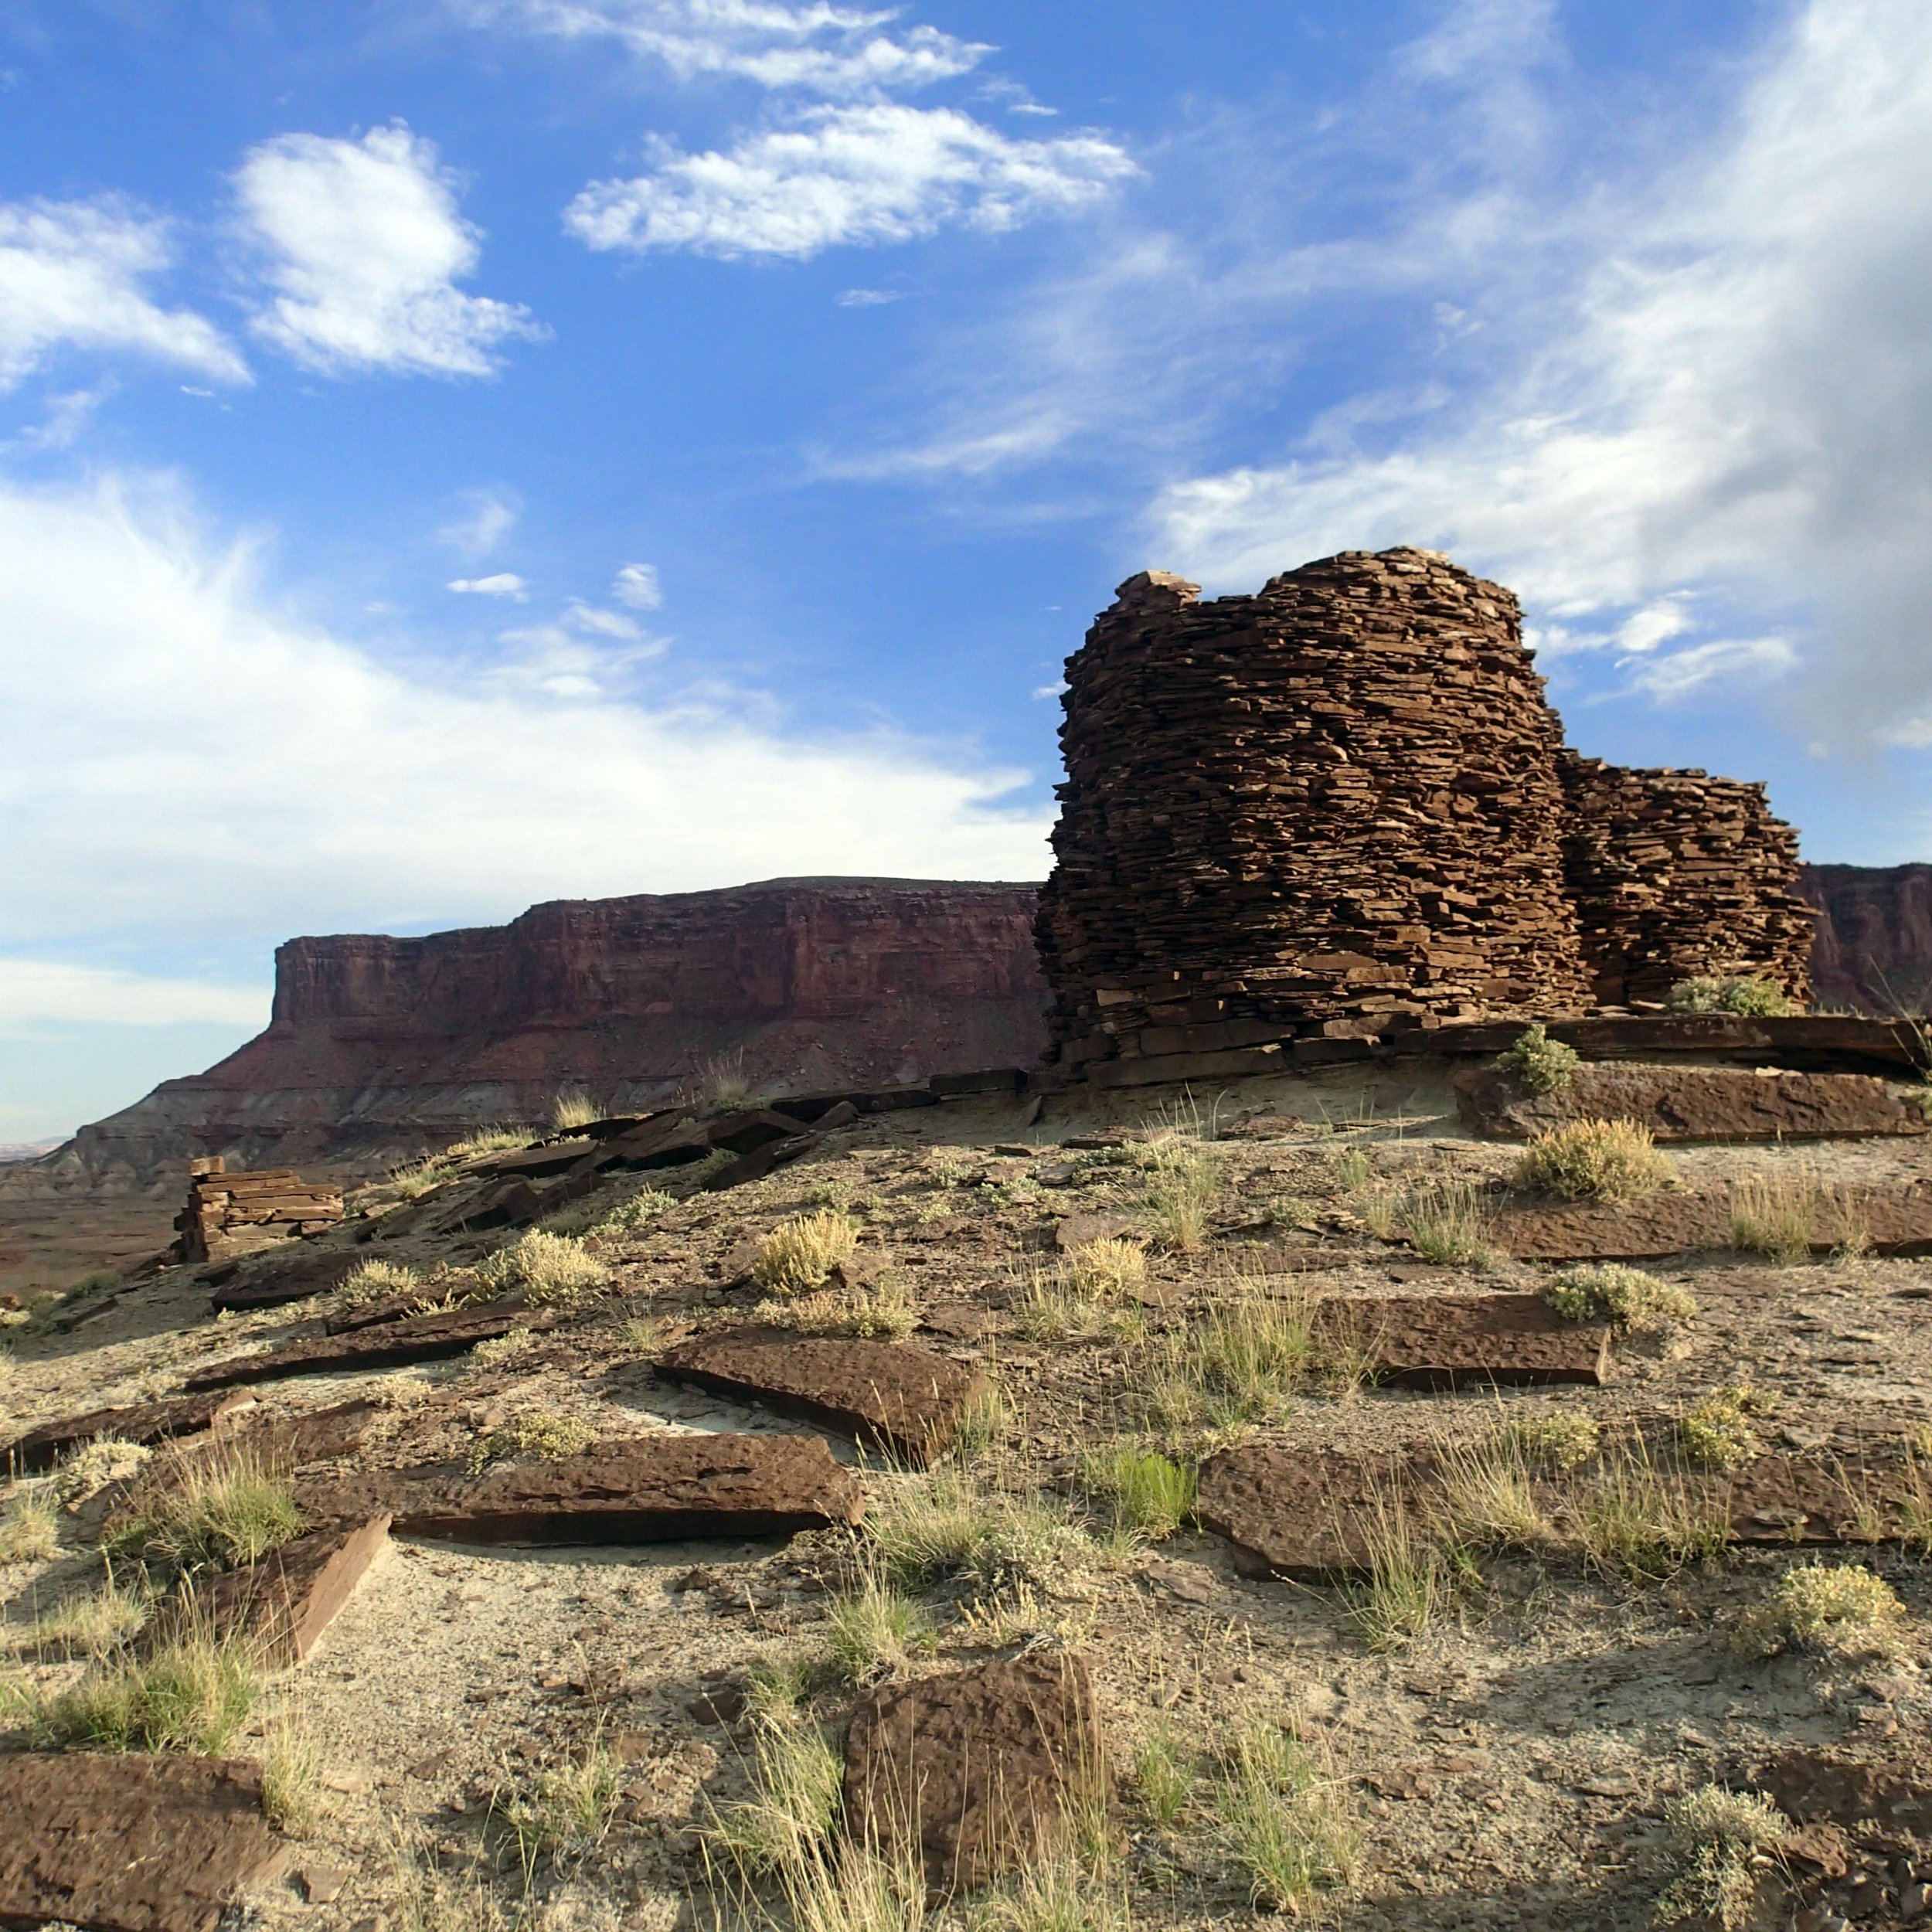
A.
pixel 1559 1441
pixel 568 1809
pixel 1749 996
pixel 226 1509
pixel 550 1270
pixel 1285 1826
pixel 1543 1065
pixel 538 1433
pixel 1150 1497
pixel 193 1696
pixel 1716 1433
pixel 1594 1161
pixel 372 1282
pixel 1838 1609
pixel 797 1256
pixel 1609 1291
pixel 1716 1838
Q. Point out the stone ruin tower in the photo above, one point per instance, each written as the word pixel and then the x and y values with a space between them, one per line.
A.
pixel 1342 809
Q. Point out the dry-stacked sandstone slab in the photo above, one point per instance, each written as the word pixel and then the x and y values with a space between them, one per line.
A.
pixel 1332 807
pixel 1342 809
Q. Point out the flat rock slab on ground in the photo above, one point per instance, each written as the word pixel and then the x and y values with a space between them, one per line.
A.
pixel 1312 1514
pixel 1692 1104
pixel 980 1767
pixel 285 1279
pixel 1687 1221
pixel 281 1606
pixel 128 1842
pixel 893 1395
pixel 1785 1500
pixel 150 1423
pixel 1820 1787
pixel 1462 1341
pixel 423 1337
pixel 659 1489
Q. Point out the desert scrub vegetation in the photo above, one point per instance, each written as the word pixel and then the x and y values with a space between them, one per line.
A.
pixel 876 1629
pixel 798 1255
pixel 784 1826
pixel 1639 1519
pixel 1446 1222
pixel 500 1351
pixel 1185 1181
pixel 1833 1609
pixel 292 1799
pixel 192 1695
pixel 945 1525
pixel 1148 1496
pixel 222 1508
pixel 1748 995
pixel 1716 1433
pixel 1717 1841
pixel 1050 1308
pixel 1543 1065
pixel 600 1219
pixel 1558 1441
pixel 1594 1161
pixel 884 1311
pixel 1487 1497
pixel 573 1109
pixel 1408 1580
pixel 566 1811
pixel 1240 1362
pixel 1789 1214
pixel 1609 1291
pixel 89 1623
pixel 538 1434
pixel 376 1280
pixel 1283 1824
pixel 550 1271
pixel 1098 1271
pixel 30 1528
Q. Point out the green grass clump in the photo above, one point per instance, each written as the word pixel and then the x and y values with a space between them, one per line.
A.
pixel 30 1529
pixel 1409 1582
pixel 1180 1196
pixel 1594 1161
pixel 1239 1363
pixel 1748 995
pixel 784 1827
pixel 225 1509
pixel 796 1256
pixel 1446 1222
pixel 1286 1827
pixel 1543 1065
pixel 1164 1774
pixel 194 1696
pixel 568 1809
pixel 1836 1608
pixel 944 1524
pixel 1716 1840
pixel 876 1630
pixel 1640 1520
pixel 1716 1433
pixel 1149 1497
pixel 1609 1291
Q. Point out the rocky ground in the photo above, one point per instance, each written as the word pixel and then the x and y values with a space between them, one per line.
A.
pixel 1491 1721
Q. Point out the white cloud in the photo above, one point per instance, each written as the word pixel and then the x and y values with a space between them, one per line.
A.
pixel 599 623
pixel 867 298
pixel 636 585
pixel 363 242
pixel 1714 377
pixel 334 789
pixel 73 273
pixel 815 47
pixel 503 583
pixel 881 173
pixel 35 993
pixel 488 517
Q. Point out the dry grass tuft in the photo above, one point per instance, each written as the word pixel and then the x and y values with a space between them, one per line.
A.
pixel 30 1529
pixel 1748 995
pixel 1186 1180
pixel 370 1282
pixel 1286 1827
pixel 1408 1582
pixel 573 1109
pixel 568 1809
pixel 1640 1520
pixel 1790 1214
pixel 1487 1498
pixel 90 1624
pixel 797 1256
pixel 1835 1609
pixel 1594 1161
pixel 1448 1222
pixel 1239 1363
pixel 883 1312
pixel 1098 1270
pixel 292 1800
pixel 226 1508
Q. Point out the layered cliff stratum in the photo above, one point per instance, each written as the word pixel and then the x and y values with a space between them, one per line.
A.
pixel 1874 948
pixel 380 1046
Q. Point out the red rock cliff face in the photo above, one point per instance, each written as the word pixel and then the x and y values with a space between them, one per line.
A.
pixel 1874 944
pixel 380 1045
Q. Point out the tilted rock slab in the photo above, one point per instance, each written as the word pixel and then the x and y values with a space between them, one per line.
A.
pixel 392 1345
pixel 644 1489
pixel 1818 1787
pixel 280 1607
pixel 129 1842
pixel 146 1424
pixel 979 1768
pixel 894 1395
pixel 1692 1104
pixel 1460 1341
pixel 1896 1221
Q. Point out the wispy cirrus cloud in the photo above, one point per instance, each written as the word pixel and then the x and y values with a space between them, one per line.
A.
pixel 79 273
pixel 882 172
pixel 362 244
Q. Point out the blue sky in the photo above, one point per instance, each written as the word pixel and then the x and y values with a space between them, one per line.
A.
pixel 458 453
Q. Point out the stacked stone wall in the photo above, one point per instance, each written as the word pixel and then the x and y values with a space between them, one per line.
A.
pixel 1342 809
pixel 1675 874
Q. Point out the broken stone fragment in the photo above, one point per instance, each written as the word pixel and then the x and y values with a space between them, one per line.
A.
pixel 981 1769
pixel 427 1337
pixel 892 1395
pixel 41 1448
